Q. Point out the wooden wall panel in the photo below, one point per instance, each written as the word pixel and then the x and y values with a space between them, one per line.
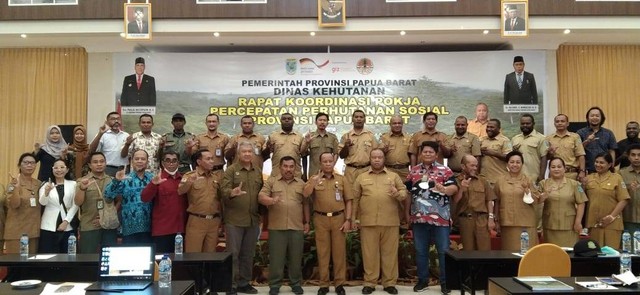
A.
pixel 176 9
pixel 604 76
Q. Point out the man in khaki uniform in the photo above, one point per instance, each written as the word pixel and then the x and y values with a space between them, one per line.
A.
pixel 286 142
pixel 331 219
pixel 631 176
pixel 494 147
pixel 568 147
pixel 247 135
pixel 176 141
pixel 201 187
pixel 478 126
pixel 462 143
pixel 395 145
pixel 241 184
pixel 355 147
pixel 428 133
pixel 533 147
pixel 288 221
pixel 474 207
pixel 214 142
pixel 377 196
pixel 320 142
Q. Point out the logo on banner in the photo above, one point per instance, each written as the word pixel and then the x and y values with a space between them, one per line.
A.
pixel 291 66
pixel 364 66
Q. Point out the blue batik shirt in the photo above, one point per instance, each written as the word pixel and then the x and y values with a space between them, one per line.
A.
pixel 136 214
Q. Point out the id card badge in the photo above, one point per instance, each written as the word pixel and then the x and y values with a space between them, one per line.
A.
pixel 256 150
pixel 100 204
pixel 338 196
pixel 32 201
pixel 218 152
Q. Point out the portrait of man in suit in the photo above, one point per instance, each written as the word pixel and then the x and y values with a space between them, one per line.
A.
pixel 513 21
pixel 520 86
pixel 138 89
pixel 139 24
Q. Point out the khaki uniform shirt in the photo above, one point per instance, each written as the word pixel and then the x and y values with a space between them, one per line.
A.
pixel 559 211
pixel 569 148
pixel 93 194
pixel 178 144
pixel 604 193
pixel 359 152
pixel 150 144
pixel 493 168
pixel 325 194
pixel 476 128
pixel 215 145
pixel 467 144
pixel 398 148
pixel 259 144
pixel 631 212
pixel 288 213
pixel 23 218
pixel 373 204
pixel 203 195
pixel 286 144
pixel 319 144
pixel 513 210
pixel 241 210
pixel 533 147
pixel 475 197
pixel 421 136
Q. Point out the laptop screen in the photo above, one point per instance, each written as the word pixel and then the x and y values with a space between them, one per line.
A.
pixel 124 262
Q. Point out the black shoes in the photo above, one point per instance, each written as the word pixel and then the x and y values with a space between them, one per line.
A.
pixel 368 290
pixel 274 291
pixel 444 290
pixel 297 290
pixel 421 286
pixel 323 291
pixel 391 290
pixel 232 292
pixel 248 289
pixel 339 290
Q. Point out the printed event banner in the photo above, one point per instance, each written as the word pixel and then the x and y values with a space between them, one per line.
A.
pixel 382 84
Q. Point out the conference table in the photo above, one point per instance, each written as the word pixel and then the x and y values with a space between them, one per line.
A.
pixel 214 269
pixel 470 270
pixel 177 288
pixel 508 286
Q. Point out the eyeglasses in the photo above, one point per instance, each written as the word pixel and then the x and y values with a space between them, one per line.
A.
pixel 27 163
pixel 170 161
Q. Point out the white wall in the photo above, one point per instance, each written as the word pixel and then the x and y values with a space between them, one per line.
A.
pixel 100 97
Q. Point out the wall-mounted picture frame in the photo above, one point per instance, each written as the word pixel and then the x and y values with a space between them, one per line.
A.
pixel 137 21
pixel 332 13
pixel 514 18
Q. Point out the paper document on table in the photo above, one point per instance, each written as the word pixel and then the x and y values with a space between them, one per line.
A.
pixel 596 285
pixel 518 254
pixel 627 278
pixel 65 288
pixel 42 256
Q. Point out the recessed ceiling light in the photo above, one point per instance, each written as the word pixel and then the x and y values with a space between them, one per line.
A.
pixel 23 35
pixel 402 33
pixel 567 31
pixel 122 35
pixel 216 34
pixel 486 32
pixel 312 33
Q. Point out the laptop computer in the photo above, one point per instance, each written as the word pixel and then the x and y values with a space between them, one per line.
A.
pixel 125 268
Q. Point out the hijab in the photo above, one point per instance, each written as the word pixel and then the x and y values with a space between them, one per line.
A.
pixel 80 146
pixel 54 148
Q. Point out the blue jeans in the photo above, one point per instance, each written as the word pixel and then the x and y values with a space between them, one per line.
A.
pixel 422 233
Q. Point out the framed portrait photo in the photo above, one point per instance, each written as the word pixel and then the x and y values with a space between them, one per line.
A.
pixel 331 13
pixel 137 21
pixel 514 18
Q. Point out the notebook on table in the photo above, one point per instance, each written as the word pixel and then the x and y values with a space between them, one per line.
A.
pixel 125 268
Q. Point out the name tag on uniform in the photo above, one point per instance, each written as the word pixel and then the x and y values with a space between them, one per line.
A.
pixel 32 202
pixel 256 150
pixel 100 204
pixel 218 152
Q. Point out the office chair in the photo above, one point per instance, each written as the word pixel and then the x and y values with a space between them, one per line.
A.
pixel 545 260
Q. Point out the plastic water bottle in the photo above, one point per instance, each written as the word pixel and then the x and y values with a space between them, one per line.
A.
pixel 71 245
pixel 179 245
pixel 24 245
pixel 625 262
pixel 636 242
pixel 524 241
pixel 626 242
pixel 164 272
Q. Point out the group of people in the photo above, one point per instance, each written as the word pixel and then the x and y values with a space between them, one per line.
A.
pixel 179 182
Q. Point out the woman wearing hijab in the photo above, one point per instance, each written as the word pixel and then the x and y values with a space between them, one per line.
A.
pixel 59 210
pixel 78 152
pixel 53 149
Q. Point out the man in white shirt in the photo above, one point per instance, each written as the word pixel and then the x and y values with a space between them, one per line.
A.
pixel 110 140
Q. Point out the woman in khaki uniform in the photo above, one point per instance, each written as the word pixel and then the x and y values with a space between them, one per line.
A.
pixel 564 202
pixel 514 215
pixel 23 209
pixel 607 197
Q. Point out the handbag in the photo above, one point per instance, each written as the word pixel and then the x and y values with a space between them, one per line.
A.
pixel 108 214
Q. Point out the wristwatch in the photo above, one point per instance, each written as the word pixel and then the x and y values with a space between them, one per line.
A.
pixel 10 188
